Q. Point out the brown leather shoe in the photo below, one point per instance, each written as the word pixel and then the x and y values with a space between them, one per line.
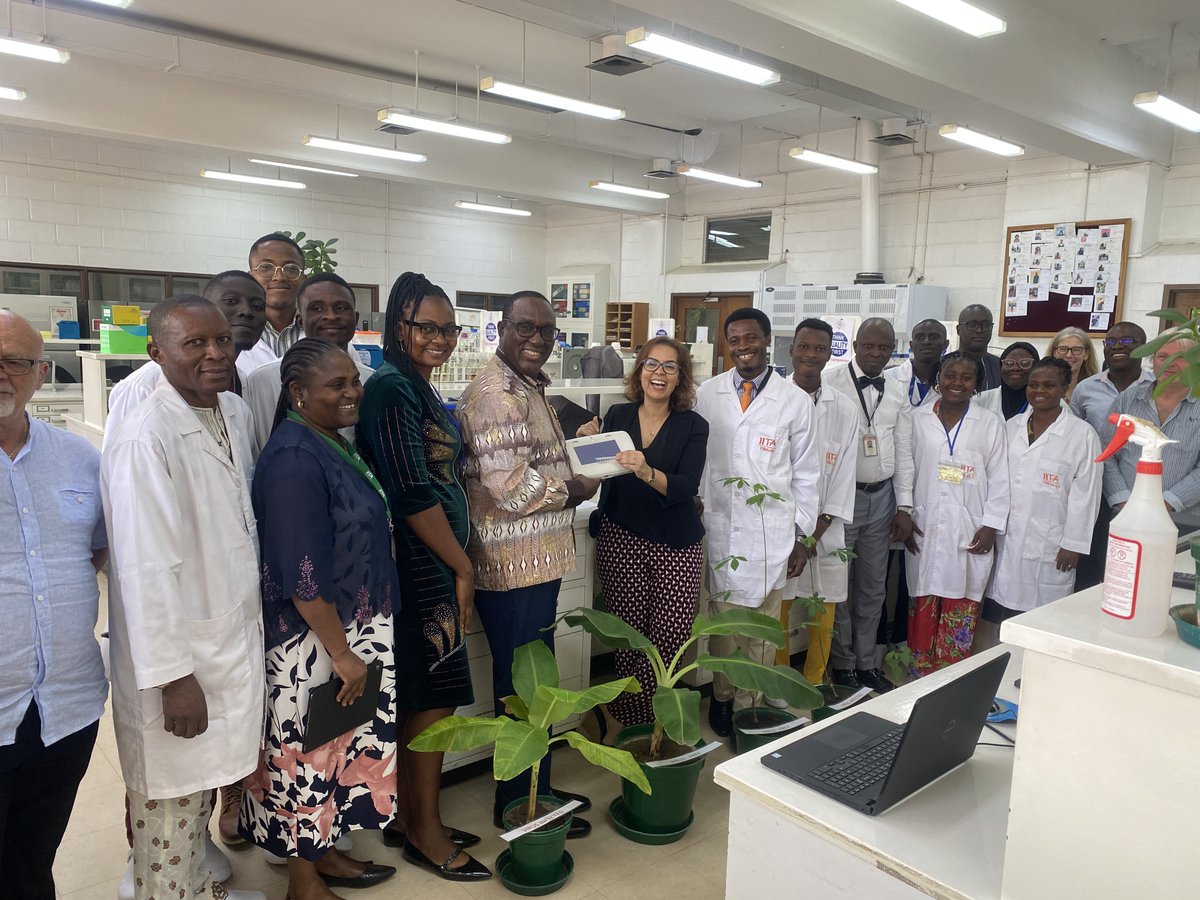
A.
pixel 227 823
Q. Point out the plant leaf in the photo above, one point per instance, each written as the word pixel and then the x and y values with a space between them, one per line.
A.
pixel 518 746
pixel 782 682
pixel 678 709
pixel 615 632
pixel 457 733
pixel 298 237
pixel 550 705
pixel 518 707
pixel 747 622
pixel 533 665
pixel 331 242
pixel 606 693
pixel 1170 314
pixel 619 762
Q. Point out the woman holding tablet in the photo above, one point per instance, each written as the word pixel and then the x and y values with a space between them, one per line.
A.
pixel 648 551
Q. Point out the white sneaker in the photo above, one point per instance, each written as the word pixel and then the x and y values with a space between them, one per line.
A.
pixel 125 885
pixel 345 844
pixel 777 704
pixel 216 863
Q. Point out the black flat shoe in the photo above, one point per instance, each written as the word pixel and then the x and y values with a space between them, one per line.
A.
pixel 474 870
pixel 370 876
pixel 584 803
pixel 846 678
pixel 464 839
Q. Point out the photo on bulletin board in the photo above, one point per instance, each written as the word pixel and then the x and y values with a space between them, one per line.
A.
pixel 1064 273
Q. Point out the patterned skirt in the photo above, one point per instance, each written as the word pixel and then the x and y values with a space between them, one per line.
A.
pixel 299 804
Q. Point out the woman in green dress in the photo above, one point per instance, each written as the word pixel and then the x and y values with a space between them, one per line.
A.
pixel 415 448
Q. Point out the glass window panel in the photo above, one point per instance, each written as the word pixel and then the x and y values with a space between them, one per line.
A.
pixel 737 239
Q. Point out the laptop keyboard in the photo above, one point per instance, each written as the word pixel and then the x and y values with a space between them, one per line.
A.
pixel 855 771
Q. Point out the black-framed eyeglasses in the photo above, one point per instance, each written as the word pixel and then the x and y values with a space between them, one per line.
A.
pixel 1016 364
pixel 12 365
pixel 669 367
pixel 291 271
pixel 1069 351
pixel 429 329
pixel 528 329
pixel 976 326
pixel 1112 343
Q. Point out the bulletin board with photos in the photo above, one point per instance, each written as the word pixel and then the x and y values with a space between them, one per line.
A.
pixel 1061 274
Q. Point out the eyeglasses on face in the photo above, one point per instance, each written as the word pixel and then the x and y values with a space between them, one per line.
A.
pixel 11 365
pixel 1069 351
pixel 291 271
pixel 976 326
pixel 429 330
pixel 669 367
pixel 528 329
pixel 1112 343
pixel 1016 364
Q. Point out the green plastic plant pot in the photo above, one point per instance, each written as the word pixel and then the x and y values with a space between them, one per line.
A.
pixel 537 857
pixel 669 808
pixel 745 718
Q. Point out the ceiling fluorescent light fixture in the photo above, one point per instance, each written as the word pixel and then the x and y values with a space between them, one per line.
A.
pixel 406 119
pixel 1165 108
pixel 31 50
pixel 546 98
pixel 698 57
pixel 11 93
pixel 626 189
pixel 834 162
pixel 697 172
pixel 487 207
pixel 253 179
pixel 283 165
pixel 363 149
pixel 980 141
pixel 963 16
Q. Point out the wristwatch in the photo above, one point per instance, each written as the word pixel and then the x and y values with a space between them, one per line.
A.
pixel 905 509
pixel 826 518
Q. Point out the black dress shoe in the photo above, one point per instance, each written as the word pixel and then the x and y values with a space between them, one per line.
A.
pixel 464 839
pixel 846 678
pixel 584 803
pixel 474 870
pixel 370 876
pixel 720 717
pixel 874 679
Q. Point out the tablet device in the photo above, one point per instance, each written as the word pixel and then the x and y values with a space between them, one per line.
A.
pixel 328 719
pixel 594 456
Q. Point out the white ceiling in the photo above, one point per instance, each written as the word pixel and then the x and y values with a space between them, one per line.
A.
pixel 244 78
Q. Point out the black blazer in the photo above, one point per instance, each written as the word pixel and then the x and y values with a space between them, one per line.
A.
pixel 678 451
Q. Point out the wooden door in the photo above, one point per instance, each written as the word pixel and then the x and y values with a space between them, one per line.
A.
pixel 710 310
pixel 1183 297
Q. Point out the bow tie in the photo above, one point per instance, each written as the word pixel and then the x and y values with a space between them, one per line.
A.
pixel 867 381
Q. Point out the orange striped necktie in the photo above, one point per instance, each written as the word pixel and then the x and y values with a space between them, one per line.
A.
pixel 747 387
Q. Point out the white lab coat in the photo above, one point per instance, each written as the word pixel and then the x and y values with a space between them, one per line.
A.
pixel 1056 486
pixel 772 443
pixel 183 593
pixel 903 373
pixel 835 419
pixel 949 514
pixel 261 392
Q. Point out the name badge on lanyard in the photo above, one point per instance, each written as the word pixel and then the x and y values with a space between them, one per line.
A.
pixel 870 445
pixel 950 473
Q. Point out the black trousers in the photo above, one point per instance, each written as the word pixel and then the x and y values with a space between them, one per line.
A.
pixel 37 791
pixel 511 619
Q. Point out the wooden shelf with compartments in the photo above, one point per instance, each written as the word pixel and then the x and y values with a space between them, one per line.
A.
pixel 626 324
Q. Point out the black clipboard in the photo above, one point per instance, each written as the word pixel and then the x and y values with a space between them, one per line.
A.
pixel 328 719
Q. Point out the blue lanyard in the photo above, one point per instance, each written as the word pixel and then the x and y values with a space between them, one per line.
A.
pixel 922 390
pixel 951 441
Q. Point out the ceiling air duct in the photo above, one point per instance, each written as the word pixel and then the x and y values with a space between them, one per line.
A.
pixel 614 60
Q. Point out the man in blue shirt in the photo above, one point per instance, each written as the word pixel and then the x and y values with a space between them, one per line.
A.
pixel 52 685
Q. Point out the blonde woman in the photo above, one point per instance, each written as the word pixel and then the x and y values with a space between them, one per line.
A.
pixel 1073 346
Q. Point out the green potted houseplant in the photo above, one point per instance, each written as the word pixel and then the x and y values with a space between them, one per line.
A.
pixel 1186 615
pixel 318 254
pixel 536 862
pixel 665 813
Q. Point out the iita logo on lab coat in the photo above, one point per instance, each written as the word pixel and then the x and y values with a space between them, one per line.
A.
pixel 766 443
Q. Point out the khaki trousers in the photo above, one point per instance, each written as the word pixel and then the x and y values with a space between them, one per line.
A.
pixel 725 644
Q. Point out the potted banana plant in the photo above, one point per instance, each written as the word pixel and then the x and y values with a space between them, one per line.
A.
pixel 536 862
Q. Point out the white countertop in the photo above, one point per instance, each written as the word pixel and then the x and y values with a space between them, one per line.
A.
pixel 1073 629
pixel 947 840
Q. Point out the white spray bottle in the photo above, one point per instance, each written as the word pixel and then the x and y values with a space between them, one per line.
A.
pixel 1141 539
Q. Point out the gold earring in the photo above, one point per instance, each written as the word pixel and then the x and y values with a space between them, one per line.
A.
pixel 300 403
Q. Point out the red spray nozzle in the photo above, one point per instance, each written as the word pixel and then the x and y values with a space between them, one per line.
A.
pixel 1125 428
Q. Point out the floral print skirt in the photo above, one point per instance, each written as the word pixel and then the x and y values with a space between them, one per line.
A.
pixel 940 631
pixel 299 804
